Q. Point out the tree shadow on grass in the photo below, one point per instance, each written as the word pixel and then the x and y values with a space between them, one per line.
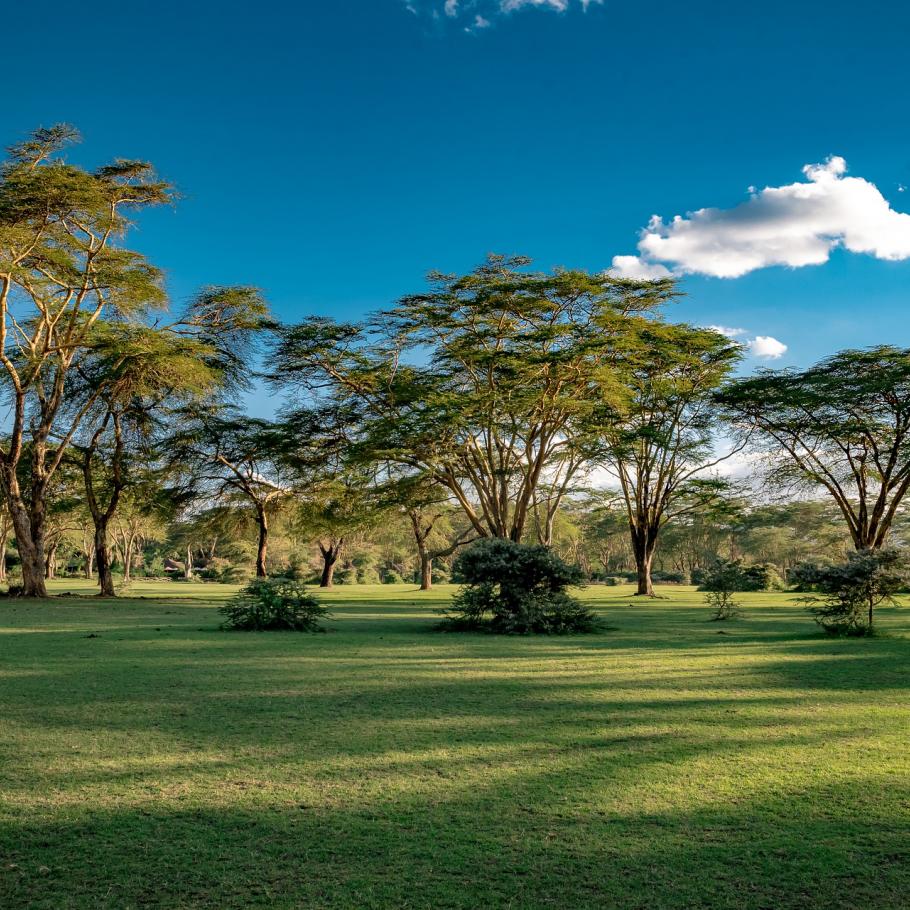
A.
pixel 536 843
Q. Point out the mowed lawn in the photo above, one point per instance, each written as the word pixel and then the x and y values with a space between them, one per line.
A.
pixel 150 760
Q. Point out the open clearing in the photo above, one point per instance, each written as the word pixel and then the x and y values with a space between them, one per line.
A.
pixel 149 760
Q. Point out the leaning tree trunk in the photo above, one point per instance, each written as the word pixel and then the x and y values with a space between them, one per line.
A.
pixel 103 561
pixel 263 548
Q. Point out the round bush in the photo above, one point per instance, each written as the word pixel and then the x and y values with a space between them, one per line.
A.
pixel 273 604
pixel 516 589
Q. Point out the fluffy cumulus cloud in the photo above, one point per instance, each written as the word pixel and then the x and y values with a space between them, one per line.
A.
pixel 794 225
pixel 767 347
pixel 480 14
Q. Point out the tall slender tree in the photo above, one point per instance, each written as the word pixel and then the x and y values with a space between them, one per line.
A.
pixel 658 443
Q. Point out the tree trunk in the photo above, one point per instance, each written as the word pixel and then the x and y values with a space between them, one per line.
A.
pixel 128 558
pixel 426 571
pixel 330 556
pixel 188 565
pixel 103 561
pixel 262 551
pixel 50 563
pixel 328 573
pixel 3 559
pixel 30 542
pixel 89 553
pixel 643 568
pixel 643 546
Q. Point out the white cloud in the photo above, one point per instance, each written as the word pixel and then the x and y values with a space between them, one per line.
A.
pixel 509 6
pixel 479 14
pixel 726 330
pixel 763 346
pixel 767 347
pixel 794 225
pixel 633 267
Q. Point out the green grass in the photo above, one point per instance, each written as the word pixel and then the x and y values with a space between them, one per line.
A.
pixel 149 760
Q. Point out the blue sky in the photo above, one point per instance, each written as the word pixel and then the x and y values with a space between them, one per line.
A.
pixel 333 152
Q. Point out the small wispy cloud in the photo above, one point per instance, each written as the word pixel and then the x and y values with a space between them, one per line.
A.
pixel 474 15
pixel 764 347
pixel 727 330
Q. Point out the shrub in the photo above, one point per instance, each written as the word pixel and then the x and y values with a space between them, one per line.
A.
pixel 670 578
pixel 720 582
pixel 391 577
pixel 762 577
pixel 273 604
pixel 758 577
pixel 846 594
pixel 516 589
pixel 345 576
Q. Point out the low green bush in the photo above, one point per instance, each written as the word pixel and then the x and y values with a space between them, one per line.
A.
pixel 747 578
pixel 274 604
pixel 670 578
pixel 516 589
pixel 845 595
pixel 720 582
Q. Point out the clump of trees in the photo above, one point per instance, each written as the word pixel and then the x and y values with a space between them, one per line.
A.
pixel 478 411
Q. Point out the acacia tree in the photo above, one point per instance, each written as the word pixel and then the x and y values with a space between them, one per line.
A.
pixel 658 443
pixel 133 372
pixel 486 383
pixel 429 509
pixel 842 426
pixel 236 456
pixel 62 267
pixel 337 509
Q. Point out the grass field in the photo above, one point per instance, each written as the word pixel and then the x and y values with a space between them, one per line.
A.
pixel 149 760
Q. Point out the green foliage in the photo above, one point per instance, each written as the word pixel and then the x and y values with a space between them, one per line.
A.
pixel 345 576
pixel 841 426
pixel 721 581
pixel 846 594
pixel 273 604
pixel 154 567
pixel 758 577
pixel 510 361
pixel 516 589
